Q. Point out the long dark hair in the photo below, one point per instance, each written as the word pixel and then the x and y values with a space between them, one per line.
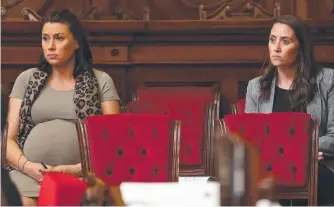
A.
pixel 304 85
pixel 83 55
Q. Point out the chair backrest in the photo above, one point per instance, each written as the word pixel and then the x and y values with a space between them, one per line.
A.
pixel 285 141
pixel 130 147
pixel 239 107
pixel 165 93
pixel 184 93
pixel 196 146
pixel 237 168
pixel 59 189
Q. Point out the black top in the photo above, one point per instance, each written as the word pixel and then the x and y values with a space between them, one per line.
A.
pixel 281 100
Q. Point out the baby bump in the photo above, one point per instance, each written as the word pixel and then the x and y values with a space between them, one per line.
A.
pixel 54 142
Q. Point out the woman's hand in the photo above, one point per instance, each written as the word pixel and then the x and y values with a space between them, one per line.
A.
pixel 68 169
pixel 34 170
pixel 320 156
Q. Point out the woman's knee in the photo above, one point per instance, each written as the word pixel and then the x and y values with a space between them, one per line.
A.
pixel 28 201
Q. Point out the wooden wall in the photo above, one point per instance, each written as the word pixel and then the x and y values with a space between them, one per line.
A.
pixel 171 46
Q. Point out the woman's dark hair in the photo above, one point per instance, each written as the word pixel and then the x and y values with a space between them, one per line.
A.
pixel 304 85
pixel 83 55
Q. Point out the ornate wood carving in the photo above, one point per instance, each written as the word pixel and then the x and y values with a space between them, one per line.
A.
pixel 6 5
pixel 123 13
pixel 239 9
pixel 92 13
pixel 208 4
pixel 180 9
pixel 29 10
pixel 30 14
pixel 34 9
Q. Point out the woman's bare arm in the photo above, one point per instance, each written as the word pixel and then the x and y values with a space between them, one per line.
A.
pixel 14 154
pixel 110 107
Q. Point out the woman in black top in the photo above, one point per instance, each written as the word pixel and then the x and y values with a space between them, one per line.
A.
pixel 293 82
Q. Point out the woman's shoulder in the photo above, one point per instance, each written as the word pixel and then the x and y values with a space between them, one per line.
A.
pixel 26 74
pixel 255 82
pixel 326 77
pixel 101 76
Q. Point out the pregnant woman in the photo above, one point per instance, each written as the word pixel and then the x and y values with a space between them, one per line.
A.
pixel 47 101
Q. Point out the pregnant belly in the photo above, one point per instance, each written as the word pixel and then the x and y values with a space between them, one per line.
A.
pixel 54 143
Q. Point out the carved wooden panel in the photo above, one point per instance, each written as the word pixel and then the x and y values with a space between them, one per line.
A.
pixel 177 9
pixel 141 53
pixel 192 9
pixel 321 9
pixel 13 9
pixel 34 9
pixel 79 7
pixel 227 77
pixel 168 10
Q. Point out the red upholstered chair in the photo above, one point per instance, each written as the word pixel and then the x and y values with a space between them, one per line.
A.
pixel 130 147
pixel 239 107
pixel 58 189
pixel 197 108
pixel 288 147
pixel 196 147
pixel 170 93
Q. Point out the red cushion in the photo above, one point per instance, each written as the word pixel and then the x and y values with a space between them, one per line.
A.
pixel 283 140
pixel 58 189
pixel 193 116
pixel 131 147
